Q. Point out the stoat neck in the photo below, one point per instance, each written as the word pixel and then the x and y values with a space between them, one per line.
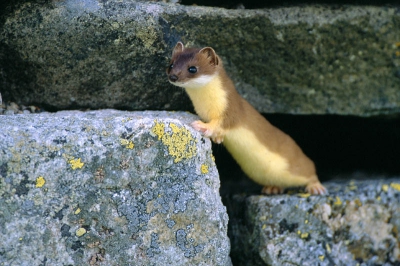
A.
pixel 210 101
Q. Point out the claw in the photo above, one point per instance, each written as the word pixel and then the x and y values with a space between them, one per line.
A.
pixel 218 139
pixel 316 189
pixel 272 190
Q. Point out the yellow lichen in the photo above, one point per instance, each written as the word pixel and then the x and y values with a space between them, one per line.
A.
pixel 180 143
pixel 76 163
pixel 174 128
pixel 385 187
pixel 204 169
pixel 212 158
pixel 80 232
pixel 321 258
pixel 127 143
pixel 158 129
pixel 304 195
pixel 124 142
pixel 264 226
pixel 77 211
pixel 328 248
pixel 396 186
pixel 40 181
pixel 130 145
pixel 358 202
pixel 304 235
pixel 338 201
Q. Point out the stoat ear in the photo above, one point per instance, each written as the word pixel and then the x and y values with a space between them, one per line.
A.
pixel 179 47
pixel 210 55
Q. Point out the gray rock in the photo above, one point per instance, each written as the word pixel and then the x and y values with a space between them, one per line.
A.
pixel 109 188
pixel 9 112
pixel 357 224
pixel 113 54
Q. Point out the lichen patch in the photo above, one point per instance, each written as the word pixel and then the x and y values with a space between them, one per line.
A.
pixel 158 129
pixel 80 232
pixel 178 140
pixel 127 143
pixel 76 163
pixel 396 186
pixel 204 169
pixel 40 181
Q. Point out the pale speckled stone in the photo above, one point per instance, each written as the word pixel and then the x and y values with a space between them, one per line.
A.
pixel 101 188
pixel 356 224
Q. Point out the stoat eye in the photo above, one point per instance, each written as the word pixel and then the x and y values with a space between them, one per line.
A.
pixel 192 69
pixel 171 66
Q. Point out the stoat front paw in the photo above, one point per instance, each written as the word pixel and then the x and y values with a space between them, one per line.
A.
pixel 316 188
pixel 272 190
pixel 218 139
pixel 208 131
pixel 200 126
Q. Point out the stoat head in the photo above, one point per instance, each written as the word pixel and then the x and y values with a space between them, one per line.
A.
pixel 192 68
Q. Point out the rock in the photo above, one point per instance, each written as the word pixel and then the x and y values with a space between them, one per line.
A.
pixel 113 54
pixel 356 224
pixel 9 112
pixel 109 188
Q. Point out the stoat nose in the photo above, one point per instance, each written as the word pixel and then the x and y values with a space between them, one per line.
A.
pixel 173 78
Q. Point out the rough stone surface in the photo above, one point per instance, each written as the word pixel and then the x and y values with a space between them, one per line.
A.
pixel 113 54
pixel 109 188
pixel 357 224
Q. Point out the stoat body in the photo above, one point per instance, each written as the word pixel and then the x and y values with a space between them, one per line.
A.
pixel 266 154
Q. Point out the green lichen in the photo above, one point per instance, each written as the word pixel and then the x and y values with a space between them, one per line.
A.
pixel 179 141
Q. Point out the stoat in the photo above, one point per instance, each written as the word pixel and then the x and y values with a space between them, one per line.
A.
pixel 266 154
